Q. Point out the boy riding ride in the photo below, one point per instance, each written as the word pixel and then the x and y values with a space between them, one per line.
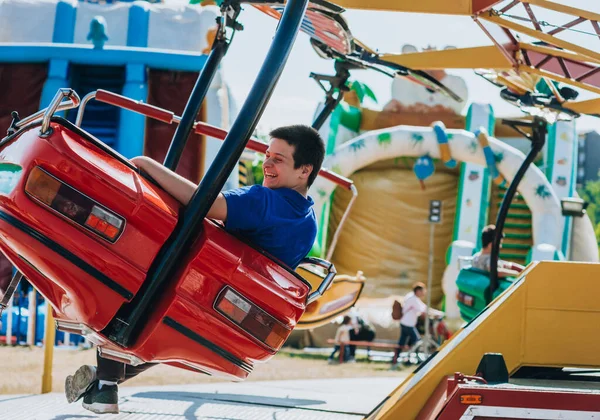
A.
pixel 277 217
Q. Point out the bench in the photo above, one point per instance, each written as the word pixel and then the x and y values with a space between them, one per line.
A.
pixel 368 344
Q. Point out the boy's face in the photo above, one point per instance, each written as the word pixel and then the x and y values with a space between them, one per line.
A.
pixel 278 167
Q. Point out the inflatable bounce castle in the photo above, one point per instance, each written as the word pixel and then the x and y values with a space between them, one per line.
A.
pixel 420 148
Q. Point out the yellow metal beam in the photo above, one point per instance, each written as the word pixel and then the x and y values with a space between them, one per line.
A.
pixel 521 324
pixel 444 7
pixel 564 9
pixel 516 86
pixel 591 106
pixel 558 78
pixel 364 46
pixel 48 350
pixel 541 36
pixel 462 58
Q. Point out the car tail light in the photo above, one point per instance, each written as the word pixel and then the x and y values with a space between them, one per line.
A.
pixel 251 318
pixel 73 205
pixel 465 298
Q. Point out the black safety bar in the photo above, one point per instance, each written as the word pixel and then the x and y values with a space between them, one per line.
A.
pixel 131 318
pixel 230 12
pixel 538 139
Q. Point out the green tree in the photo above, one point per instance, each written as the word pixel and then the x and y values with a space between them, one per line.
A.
pixel 590 192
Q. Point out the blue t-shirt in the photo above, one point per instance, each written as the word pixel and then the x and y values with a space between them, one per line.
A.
pixel 280 221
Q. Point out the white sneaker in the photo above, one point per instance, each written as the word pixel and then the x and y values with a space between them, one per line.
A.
pixel 76 385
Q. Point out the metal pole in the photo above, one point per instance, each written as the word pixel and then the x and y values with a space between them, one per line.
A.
pixel 48 350
pixel 9 316
pixel 32 315
pixel 194 103
pixel 427 340
pixel 538 138
pixel 328 108
pixel 128 322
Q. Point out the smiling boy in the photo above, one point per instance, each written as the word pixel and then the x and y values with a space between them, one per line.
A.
pixel 277 217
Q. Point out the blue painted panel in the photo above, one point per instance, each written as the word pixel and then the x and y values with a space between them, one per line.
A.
pixel 137 28
pixel 109 56
pixel 57 78
pixel 100 119
pixel 64 23
pixel 130 137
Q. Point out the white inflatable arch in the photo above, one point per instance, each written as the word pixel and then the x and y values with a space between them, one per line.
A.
pixel 366 149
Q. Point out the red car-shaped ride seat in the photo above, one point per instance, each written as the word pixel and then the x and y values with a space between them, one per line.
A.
pixel 83 226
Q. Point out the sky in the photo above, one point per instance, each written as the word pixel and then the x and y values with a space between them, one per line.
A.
pixel 296 95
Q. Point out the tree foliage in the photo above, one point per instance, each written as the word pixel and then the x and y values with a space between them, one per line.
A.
pixel 590 192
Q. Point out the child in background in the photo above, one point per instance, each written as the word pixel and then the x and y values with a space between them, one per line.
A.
pixel 342 335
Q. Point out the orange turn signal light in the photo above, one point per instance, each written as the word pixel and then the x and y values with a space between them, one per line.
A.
pixel 42 186
pixel 471 399
pixel 72 204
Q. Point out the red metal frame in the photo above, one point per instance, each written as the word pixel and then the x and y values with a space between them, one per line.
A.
pixel 445 402
pixel 199 128
pixel 580 71
pixel 77 281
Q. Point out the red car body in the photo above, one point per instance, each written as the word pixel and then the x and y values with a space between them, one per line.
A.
pixel 87 279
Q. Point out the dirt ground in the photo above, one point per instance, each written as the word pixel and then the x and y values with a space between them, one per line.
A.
pixel 22 369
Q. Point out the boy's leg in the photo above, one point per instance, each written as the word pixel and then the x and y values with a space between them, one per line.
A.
pixel 133 371
pixel 402 343
pixel 117 372
pixel 79 383
pixel 352 351
pixel 110 370
pixel 335 349
pixel 414 336
pixel 347 353
pixel 399 349
pixel 103 395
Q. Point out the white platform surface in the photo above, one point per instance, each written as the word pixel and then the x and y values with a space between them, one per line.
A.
pixel 327 399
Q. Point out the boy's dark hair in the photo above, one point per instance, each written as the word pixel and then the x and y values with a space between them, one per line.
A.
pixel 487 235
pixel 418 286
pixel 309 148
pixel 346 320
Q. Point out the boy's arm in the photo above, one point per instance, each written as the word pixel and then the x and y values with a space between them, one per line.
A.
pixel 503 273
pixel 179 187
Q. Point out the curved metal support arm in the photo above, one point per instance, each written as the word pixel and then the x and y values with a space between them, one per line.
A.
pixel 538 138
pixel 336 235
pixel 337 84
pixel 81 110
pixel 61 106
pixel 58 105
pixel 331 272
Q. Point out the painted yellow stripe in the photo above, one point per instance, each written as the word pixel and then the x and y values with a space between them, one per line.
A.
pixel 488 57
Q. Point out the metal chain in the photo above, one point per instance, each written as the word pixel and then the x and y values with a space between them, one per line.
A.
pixel 494 12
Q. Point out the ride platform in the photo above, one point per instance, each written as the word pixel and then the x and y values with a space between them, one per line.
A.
pixel 548 318
pixel 326 399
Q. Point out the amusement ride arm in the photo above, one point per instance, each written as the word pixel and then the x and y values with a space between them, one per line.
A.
pixel 199 126
pixel 538 138
pixel 133 316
